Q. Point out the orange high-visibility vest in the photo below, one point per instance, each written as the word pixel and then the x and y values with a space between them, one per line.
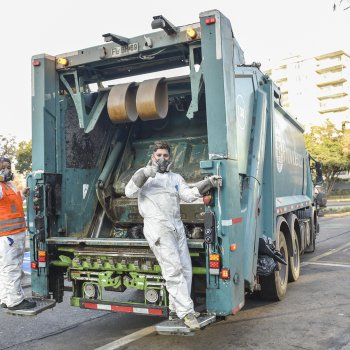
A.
pixel 11 211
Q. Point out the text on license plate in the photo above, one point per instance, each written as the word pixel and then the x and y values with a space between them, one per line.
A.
pixel 124 50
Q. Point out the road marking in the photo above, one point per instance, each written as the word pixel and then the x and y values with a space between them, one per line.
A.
pixel 128 339
pixel 318 257
pixel 324 264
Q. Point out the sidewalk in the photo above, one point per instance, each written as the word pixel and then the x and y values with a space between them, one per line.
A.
pixel 334 214
pixel 336 200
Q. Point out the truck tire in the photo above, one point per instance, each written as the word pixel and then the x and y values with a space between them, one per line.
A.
pixel 274 287
pixel 294 261
pixel 312 246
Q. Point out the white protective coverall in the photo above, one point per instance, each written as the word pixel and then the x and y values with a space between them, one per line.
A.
pixel 159 205
pixel 11 259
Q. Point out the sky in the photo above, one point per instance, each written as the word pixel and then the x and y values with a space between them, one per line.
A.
pixel 267 31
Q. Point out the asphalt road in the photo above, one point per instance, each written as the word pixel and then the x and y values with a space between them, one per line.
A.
pixel 314 315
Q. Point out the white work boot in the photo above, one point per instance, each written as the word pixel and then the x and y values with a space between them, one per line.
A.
pixel 191 322
pixel 173 316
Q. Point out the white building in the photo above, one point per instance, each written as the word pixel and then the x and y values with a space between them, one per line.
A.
pixel 315 88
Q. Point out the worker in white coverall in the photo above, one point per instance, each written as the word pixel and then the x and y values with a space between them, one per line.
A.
pixel 12 242
pixel 159 192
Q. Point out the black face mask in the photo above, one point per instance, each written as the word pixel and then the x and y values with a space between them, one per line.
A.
pixel 6 175
pixel 163 165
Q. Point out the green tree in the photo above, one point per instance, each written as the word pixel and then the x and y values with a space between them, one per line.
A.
pixel 330 146
pixel 8 147
pixel 24 157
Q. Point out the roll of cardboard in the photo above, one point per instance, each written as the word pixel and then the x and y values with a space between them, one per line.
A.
pixel 121 103
pixel 152 99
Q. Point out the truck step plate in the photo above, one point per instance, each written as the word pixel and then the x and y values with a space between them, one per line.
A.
pixel 41 305
pixel 179 328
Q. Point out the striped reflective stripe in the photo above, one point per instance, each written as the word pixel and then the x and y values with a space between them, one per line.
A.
pixel 10 221
pixel 12 227
pixel 120 308
pixel 231 222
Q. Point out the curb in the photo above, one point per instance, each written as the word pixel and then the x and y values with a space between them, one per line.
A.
pixel 334 200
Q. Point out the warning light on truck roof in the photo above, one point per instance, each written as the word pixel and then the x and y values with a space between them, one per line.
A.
pixel 210 20
pixel 62 61
pixel 191 33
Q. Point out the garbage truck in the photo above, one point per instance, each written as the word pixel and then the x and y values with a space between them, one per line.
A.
pixel 96 112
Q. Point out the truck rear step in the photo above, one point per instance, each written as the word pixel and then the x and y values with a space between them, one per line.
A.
pixel 177 327
pixel 41 305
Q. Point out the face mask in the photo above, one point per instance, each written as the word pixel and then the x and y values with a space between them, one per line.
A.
pixel 6 175
pixel 163 165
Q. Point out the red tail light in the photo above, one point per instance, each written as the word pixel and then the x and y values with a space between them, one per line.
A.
pixel 214 264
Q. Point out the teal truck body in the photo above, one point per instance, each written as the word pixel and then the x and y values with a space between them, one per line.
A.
pixel 221 117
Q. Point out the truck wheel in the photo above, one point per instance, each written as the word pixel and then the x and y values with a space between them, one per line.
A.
pixel 274 287
pixel 311 247
pixel 294 261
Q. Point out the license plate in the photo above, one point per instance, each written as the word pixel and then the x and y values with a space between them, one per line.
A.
pixel 124 50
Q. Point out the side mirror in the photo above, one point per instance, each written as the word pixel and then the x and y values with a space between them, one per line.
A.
pixel 319 175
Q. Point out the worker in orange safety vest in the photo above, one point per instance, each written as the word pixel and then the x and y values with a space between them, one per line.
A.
pixel 12 242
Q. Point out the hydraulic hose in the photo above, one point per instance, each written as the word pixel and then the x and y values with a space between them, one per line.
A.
pixel 112 159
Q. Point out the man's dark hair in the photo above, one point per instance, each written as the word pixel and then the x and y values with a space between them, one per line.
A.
pixel 161 145
pixel 4 159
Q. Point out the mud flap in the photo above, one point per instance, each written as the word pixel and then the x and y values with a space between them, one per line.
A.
pixel 177 327
pixel 41 305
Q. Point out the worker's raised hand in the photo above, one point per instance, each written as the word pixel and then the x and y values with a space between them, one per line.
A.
pixel 150 170
pixel 215 180
pixel 141 176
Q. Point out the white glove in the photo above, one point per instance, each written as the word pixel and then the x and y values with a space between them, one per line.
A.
pixel 205 185
pixel 150 170
pixel 215 180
